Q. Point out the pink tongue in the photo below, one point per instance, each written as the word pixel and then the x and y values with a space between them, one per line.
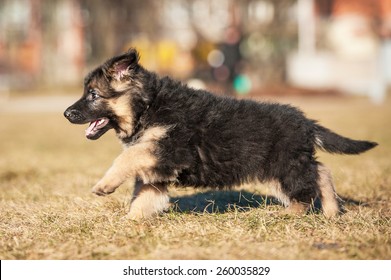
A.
pixel 91 127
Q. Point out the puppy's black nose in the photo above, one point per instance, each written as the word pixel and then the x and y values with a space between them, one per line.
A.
pixel 74 116
pixel 67 113
pixel 71 114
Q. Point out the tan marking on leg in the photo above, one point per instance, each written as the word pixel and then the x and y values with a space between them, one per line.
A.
pixel 296 208
pixel 148 200
pixel 293 207
pixel 136 160
pixel 329 201
pixel 278 193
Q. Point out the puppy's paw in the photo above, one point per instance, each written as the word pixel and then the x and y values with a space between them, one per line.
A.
pixel 135 215
pixel 103 189
pixel 295 209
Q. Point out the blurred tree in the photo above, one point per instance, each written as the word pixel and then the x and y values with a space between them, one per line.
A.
pixel 109 25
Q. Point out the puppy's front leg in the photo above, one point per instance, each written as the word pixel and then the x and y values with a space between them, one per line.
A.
pixel 133 160
pixel 113 178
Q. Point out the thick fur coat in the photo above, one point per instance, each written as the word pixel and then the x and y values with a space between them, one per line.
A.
pixel 173 134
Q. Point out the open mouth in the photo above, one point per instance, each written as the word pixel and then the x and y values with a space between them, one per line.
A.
pixel 95 127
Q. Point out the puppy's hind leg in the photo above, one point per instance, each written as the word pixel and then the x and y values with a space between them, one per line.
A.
pixel 292 206
pixel 328 196
pixel 148 200
pixel 299 185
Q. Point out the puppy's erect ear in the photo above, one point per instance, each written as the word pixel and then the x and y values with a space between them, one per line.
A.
pixel 121 67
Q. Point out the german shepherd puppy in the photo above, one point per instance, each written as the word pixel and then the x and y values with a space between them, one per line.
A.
pixel 173 134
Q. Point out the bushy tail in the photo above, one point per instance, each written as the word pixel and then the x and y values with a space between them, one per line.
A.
pixel 331 142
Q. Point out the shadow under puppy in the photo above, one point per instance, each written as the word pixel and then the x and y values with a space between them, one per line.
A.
pixel 173 134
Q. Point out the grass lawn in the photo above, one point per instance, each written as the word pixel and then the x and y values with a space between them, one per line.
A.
pixel 47 169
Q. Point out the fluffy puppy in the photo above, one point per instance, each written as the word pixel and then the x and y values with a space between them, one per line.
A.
pixel 173 134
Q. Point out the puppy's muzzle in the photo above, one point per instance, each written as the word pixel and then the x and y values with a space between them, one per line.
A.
pixel 74 116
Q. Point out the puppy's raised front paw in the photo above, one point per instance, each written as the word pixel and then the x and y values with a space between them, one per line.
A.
pixel 103 189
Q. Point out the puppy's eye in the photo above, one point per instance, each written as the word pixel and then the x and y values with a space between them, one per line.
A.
pixel 93 94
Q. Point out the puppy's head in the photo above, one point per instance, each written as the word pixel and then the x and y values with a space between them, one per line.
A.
pixel 107 98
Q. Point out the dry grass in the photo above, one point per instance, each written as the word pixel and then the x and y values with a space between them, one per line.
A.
pixel 47 211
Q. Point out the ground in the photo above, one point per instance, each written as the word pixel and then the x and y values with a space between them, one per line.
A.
pixel 47 169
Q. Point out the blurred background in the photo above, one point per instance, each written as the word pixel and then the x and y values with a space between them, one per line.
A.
pixel 246 47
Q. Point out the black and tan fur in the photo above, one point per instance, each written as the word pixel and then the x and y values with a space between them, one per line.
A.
pixel 173 134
